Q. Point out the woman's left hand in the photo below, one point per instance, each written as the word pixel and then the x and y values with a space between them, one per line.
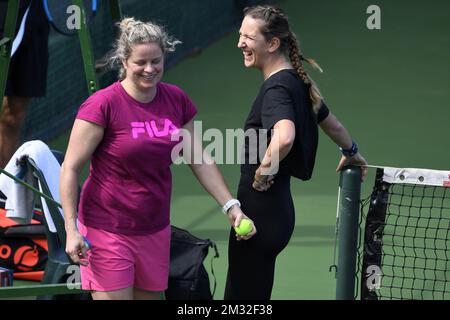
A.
pixel 358 160
pixel 262 183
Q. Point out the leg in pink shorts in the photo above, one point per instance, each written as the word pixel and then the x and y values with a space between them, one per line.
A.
pixel 120 261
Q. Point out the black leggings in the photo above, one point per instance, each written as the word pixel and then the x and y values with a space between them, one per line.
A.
pixel 251 263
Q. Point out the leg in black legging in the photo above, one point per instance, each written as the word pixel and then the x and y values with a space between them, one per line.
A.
pixel 252 263
pixel 250 273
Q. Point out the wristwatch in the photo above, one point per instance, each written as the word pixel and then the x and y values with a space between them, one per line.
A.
pixel 227 206
pixel 350 152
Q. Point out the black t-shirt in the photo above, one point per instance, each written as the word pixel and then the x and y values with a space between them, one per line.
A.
pixel 284 96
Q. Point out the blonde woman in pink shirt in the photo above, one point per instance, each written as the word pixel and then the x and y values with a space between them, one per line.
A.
pixel 125 131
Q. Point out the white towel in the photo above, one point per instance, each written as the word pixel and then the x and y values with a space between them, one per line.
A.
pixel 19 202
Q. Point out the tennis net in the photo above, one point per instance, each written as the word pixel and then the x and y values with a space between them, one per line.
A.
pixel 405 247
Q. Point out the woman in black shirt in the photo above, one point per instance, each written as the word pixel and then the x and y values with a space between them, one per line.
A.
pixel 287 111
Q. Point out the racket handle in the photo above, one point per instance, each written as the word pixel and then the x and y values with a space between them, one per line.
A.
pixel 87 244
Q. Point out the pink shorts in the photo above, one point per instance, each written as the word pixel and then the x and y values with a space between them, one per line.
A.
pixel 118 261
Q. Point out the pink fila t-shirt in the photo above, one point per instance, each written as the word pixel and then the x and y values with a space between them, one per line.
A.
pixel 130 183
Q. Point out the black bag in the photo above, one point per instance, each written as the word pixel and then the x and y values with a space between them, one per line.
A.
pixel 188 278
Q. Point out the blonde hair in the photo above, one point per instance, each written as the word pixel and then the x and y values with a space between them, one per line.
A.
pixel 276 24
pixel 133 32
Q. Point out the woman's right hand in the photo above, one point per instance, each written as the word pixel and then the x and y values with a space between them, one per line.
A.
pixel 76 248
pixel 235 215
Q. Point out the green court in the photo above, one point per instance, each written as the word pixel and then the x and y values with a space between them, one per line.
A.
pixel 389 87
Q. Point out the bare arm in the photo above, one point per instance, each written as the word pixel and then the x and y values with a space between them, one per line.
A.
pixel 336 131
pixel 84 139
pixel 281 143
pixel 210 177
pixel 339 134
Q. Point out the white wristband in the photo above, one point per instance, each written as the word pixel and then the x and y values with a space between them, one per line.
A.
pixel 227 206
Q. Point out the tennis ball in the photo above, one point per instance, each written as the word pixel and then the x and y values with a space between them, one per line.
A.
pixel 244 227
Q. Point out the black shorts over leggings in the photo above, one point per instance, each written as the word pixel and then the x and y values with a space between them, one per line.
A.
pixel 27 76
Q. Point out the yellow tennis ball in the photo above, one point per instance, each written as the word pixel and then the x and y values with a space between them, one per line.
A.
pixel 244 227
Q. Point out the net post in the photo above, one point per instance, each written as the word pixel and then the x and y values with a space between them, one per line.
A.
pixel 349 204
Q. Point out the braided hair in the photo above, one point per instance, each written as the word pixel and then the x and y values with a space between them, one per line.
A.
pixel 276 24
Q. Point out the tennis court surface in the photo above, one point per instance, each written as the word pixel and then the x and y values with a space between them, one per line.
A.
pixel 389 87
